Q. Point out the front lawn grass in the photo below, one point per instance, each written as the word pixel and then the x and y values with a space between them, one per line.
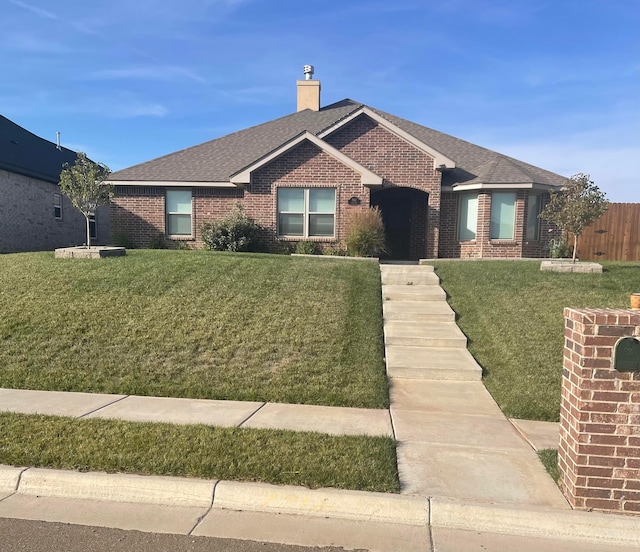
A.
pixel 272 456
pixel 512 314
pixel 195 324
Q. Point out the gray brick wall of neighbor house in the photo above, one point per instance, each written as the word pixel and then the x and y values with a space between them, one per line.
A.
pixel 27 218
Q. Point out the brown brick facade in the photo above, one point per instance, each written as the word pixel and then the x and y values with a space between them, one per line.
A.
pixel 401 164
pixel 483 246
pixel 27 220
pixel 599 455
pixel 407 172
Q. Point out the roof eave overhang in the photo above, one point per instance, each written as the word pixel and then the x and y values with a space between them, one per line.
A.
pixel 441 161
pixel 500 186
pixel 172 183
pixel 243 177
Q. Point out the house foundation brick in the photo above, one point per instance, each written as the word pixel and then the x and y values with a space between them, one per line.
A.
pixel 599 452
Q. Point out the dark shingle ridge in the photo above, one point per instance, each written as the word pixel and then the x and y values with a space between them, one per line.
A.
pixel 216 160
pixel 22 152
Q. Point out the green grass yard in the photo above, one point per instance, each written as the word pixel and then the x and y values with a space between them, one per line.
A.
pixel 512 315
pixel 272 456
pixel 195 324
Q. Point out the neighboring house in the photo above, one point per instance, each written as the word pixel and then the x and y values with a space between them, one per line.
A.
pixel 300 176
pixel 34 215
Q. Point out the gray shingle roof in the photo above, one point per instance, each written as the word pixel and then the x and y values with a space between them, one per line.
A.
pixel 23 152
pixel 216 160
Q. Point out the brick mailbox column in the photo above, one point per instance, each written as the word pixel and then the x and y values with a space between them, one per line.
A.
pixel 599 454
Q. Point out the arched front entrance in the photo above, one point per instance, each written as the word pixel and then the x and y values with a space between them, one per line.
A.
pixel 404 211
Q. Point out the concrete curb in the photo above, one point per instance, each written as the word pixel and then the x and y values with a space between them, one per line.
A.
pixel 409 510
pixel 592 527
pixel 328 503
pixel 9 479
pixel 138 489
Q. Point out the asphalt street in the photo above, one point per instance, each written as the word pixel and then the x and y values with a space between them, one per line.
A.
pixel 18 535
pixel 38 536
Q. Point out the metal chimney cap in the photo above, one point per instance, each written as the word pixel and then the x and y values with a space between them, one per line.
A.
pixel 308 72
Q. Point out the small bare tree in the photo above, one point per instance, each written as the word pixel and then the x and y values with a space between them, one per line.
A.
pixel 84 183
pixel 575 207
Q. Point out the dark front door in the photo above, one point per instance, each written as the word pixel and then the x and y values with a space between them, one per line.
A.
pixel 396 214
pixel 404 212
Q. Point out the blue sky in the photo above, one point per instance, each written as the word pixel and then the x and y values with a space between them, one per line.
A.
pixel 552 82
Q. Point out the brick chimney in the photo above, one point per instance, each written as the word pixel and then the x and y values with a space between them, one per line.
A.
pixel 308 91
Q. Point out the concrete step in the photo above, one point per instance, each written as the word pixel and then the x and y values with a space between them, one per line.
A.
pixel 437 334
pixel 412 293
pixel 404 279
pixel 431 363
pixel 418 311
pixel 390 267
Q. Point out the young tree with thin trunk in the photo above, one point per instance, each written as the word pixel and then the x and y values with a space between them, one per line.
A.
pixel 84 183
pixel 575 207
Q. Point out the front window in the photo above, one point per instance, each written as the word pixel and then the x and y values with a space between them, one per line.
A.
pixel 534 208
pixel 306 212
pixel 503 214
pixel 93 227
pixel 468 217
pixel 57 206
pixel 178 205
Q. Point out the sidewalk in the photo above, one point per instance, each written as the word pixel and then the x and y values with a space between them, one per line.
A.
pixel 462 464
pixel 296 417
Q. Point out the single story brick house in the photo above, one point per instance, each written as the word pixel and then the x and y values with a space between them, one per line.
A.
pixel 34 215
pixel 300 176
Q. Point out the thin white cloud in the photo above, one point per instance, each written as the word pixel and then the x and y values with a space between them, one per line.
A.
pixel 166 73
pixel 118 108
pixel 34 9
pixel 32 44
pixel 138 109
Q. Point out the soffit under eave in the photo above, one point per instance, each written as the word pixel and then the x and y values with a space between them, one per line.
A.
pixel 502 186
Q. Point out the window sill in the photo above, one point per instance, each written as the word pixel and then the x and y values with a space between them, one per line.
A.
pixel 180 238
pixel 302 238
pixel 503 242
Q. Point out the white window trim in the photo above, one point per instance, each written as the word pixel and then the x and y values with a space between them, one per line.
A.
pixel 58 198
pixel 167 214
pixel 307 213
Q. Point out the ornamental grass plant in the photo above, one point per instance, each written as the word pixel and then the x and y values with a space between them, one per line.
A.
pixel 366 237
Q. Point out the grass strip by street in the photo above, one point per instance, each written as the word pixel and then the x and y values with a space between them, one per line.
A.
pixel 195 324
pixel 512 314
pixel 272 456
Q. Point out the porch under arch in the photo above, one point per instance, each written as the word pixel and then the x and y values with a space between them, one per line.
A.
pixel 405 212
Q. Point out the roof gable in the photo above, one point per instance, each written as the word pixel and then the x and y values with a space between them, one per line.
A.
pixel 368 178
pixel 440 160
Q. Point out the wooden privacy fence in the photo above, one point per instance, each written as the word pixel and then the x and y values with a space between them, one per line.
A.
pixel 615 236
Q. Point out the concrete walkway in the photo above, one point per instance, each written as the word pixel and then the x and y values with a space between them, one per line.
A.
pixel 453 440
